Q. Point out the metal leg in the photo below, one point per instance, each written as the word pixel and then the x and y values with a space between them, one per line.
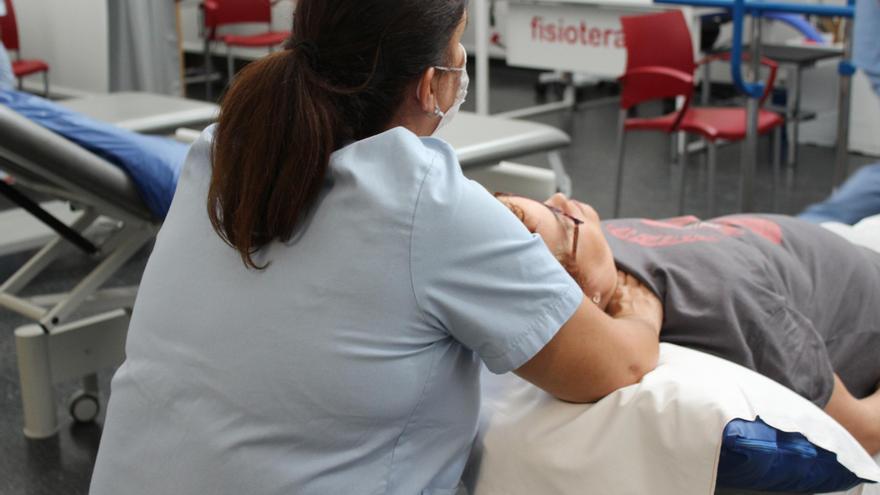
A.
pixel 563 180
pixel 682 165
pixel 621 144
pixel 792 120
pixel 35 375
pixel 73 351
pixel 777 159
pixel 706 89
pixel 209 93
pixel 134 237
pixel 750 145
pixel 673 146
pixel 46 84
pixel 711 155
pixel 841 161
pixel 90 383
pixel 230 65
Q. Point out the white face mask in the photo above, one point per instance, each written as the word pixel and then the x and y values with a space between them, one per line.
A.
pixel 446 117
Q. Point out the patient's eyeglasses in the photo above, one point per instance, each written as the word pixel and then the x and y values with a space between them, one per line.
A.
pixel 558 213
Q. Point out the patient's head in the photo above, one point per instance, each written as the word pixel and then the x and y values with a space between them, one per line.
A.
pixel 572 232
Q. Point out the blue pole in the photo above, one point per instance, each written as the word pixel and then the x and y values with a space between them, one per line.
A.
pixel 752 90
pixel 756 6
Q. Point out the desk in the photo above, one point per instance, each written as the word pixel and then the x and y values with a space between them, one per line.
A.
pixel 795 59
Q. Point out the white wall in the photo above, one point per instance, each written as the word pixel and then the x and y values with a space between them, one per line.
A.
pixel 71 36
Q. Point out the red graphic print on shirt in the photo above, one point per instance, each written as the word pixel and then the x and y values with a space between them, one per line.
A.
pixel 689 229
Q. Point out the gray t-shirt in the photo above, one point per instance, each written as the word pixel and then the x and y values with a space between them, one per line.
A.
pixel 772 293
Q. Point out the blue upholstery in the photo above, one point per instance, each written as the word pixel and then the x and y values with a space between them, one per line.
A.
pixel 756 456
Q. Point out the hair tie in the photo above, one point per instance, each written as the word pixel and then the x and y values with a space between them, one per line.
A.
pixel 309 49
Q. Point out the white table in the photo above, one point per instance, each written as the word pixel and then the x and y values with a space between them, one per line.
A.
pixel 144 112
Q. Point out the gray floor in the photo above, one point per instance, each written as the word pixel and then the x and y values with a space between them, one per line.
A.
pixel 63 464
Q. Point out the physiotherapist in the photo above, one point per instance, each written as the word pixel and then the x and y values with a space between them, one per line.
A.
pixel 7 79
pixel 318 303
pixel 866 43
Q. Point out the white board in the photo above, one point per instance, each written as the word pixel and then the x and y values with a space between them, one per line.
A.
pixel 576 35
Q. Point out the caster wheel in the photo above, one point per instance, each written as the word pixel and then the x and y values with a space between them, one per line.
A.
pixel 84 407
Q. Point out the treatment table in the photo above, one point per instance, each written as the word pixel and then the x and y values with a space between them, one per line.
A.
pixel 62 343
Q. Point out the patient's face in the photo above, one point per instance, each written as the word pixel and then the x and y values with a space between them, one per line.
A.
pixel 593 265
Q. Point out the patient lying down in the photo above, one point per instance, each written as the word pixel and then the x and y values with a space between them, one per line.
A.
pixel 780 296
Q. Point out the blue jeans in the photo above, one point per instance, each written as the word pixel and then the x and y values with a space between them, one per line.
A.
pixel 7 80
pixel 857 198
pixel 866 44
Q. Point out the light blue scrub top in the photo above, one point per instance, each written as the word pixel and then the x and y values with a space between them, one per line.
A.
pixel 351 364
pixel 866 40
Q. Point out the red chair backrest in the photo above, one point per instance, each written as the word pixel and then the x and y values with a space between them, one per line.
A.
pixel 656 40
pixel 8 27
pixel 222 12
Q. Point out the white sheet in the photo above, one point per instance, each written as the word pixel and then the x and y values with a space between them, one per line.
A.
pixel 661 436
pixel 865 233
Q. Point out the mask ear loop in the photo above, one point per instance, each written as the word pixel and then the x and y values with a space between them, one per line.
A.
pixel 437 112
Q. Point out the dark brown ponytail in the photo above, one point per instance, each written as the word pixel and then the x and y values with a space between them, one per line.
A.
pixel 339 79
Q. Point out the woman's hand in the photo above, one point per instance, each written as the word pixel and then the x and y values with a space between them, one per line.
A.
pixel 632 300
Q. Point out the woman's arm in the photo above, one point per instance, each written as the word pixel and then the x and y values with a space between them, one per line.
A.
pixel 596 353
pixel 861 417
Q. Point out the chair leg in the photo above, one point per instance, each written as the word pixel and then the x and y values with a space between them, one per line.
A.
pixel 208 69
pixel 706 89
pixel 621 144
pixel 682 173
pixel 777 163
pixel 21 84
pixel 711 150
pixel 46 84
pixel 230 65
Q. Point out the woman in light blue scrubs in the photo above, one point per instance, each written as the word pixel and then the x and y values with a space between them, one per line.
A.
pixel 320 298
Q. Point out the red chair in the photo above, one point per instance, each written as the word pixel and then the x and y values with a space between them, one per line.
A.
pixel 221 13
pixel 20 68
pixel 660 65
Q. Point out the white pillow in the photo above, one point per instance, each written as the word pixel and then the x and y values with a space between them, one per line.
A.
pixel 660 436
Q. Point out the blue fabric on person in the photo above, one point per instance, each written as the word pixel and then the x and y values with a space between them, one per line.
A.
pixel 152 162
pixel 866 43
pixel 7 78
pixel 857 198
pixel 351 363
pixel 756 456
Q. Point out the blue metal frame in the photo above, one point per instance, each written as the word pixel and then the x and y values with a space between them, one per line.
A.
pixel 741 8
